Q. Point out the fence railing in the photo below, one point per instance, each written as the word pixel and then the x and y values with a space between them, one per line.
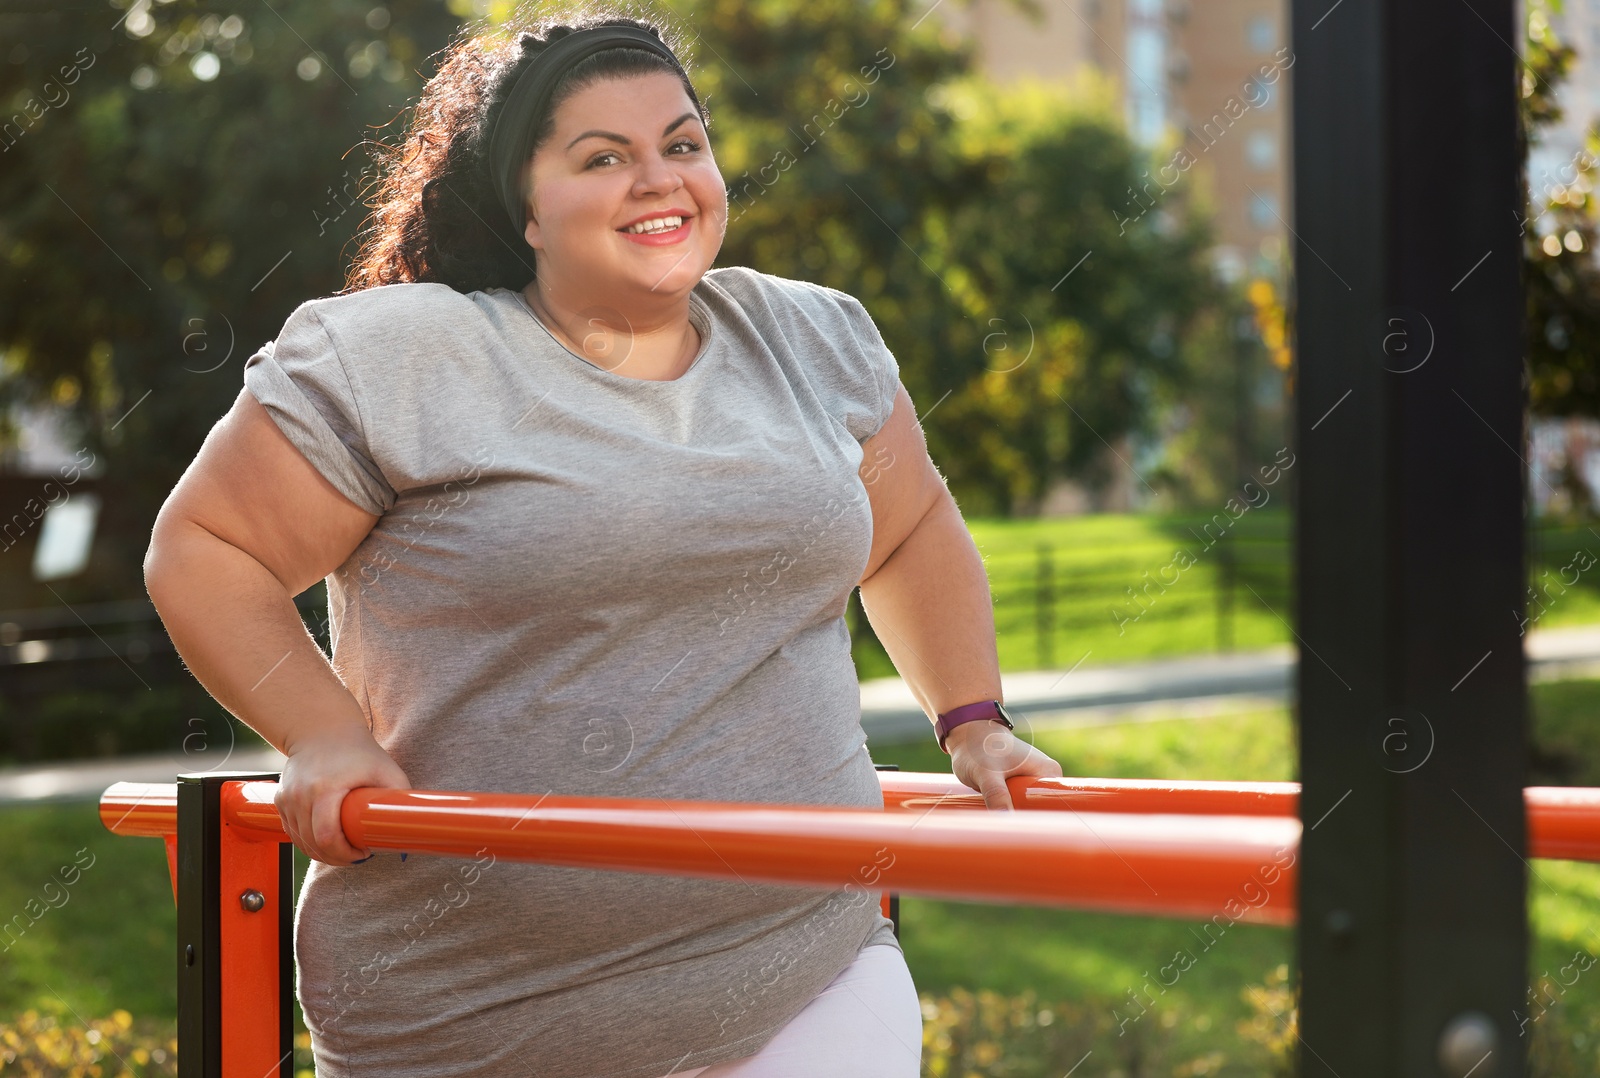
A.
pixel 1186 849
pixel 1048 591
pixel 1052 593
pixel 1045 590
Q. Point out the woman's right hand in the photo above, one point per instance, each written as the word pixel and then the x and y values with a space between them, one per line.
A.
pixel 321 769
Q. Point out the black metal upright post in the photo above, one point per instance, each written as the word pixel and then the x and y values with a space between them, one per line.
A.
pixel 1410 564
pixel 200 929
pixel 894 897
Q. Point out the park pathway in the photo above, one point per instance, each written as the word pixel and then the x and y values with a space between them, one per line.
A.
pixel 1192 686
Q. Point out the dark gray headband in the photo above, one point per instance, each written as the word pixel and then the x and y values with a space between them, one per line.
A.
pixel 511 143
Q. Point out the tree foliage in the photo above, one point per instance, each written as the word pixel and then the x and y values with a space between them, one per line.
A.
pixel 1560 276
pixel 201 171
pixel 197 180
pixel 979 224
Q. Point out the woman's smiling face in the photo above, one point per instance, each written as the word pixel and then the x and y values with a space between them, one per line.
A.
pixel 626 150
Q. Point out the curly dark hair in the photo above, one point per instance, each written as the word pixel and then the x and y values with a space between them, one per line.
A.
pixel 435 216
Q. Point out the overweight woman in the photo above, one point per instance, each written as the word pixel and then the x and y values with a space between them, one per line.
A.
pixel 589 512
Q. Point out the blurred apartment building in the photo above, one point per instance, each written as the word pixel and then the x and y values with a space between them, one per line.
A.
pixel 1208 79
pixel 1189 77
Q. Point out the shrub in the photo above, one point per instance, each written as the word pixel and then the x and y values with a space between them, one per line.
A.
pixel 38 1046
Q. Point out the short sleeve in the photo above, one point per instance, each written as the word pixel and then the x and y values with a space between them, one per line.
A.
pixel 302 382
pixel 876 378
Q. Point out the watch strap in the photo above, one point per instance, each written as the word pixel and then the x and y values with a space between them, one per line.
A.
pixel 983 709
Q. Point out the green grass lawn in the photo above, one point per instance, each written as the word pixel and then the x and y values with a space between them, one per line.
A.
pixel 110 945
pixel 1566 717
pixel 1182 606
pixel 1062 954
pixel 1173 566
pixel 1071 955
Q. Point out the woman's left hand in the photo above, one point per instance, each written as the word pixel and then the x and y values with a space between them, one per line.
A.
pixel 984 754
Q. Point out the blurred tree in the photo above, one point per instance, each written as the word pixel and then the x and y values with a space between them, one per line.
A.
pixel 986 229
pixel 1226 418
pixel 168 201
pixel 178 179
pixel 1560 277
pixel 1111 286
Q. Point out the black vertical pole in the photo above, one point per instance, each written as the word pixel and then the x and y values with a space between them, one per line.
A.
pixel 285 955
pixel 894 897
pixel 1412 935
pixel 199 928
pixel 200 925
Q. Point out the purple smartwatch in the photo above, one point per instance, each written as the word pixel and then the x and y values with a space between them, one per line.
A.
pixel 983 709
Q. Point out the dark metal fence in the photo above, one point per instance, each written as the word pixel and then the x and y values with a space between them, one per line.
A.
pixel 1048 593
pixel 1051 594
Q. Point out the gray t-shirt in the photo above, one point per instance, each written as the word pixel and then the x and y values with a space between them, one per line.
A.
pixel 584 583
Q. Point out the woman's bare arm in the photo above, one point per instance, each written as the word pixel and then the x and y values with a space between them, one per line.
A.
pixel 250 525
pixel 925 582
pixel 926 593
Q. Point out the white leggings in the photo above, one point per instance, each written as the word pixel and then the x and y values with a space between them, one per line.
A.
pixel 866 1024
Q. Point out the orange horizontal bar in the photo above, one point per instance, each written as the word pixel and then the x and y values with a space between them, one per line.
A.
pixel 1225 854
pixel 1563 821
pixel 140 809
pixel 131 808
pixel 1172 866
pixel 1166 865
pixel 922 789
pixel 1163 865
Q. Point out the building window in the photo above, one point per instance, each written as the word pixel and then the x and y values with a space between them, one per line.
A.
pixel 1147 60
pixel 1261 149
pixel 1261 33
pixel 1257 93
pixel 1263 211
